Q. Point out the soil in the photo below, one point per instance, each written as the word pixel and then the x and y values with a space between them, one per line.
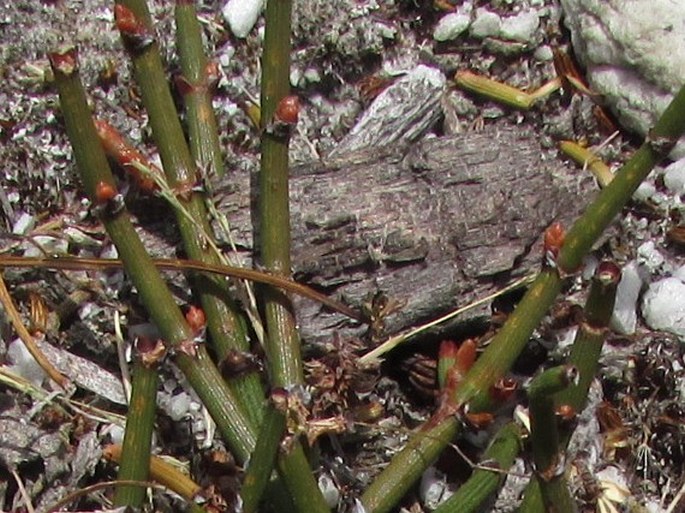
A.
pixel 344 53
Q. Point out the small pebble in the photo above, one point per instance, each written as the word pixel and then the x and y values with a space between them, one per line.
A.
pixel 295 76
pixel 23 363
pixel 330 492
pixel 521 28
pixel 179 406
pixel 663 306
pixel 433 488
pixel 312 75
pixel 651 257
pixel 674 177
pixel 680 273
pixel 45 243
pixel 624 316
pixel 241 15
pixel 24 223
pixel 451 26
pixel 486 24
pixel 543 53
pixel 644 191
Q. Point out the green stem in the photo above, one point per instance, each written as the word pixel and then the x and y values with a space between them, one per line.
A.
pixel 614 196
pixel 140 420
pixel 499 456
pixel 585 353
pixel 203 132
pixel 154 294
pixel 589 340
pixel 547 456
pixel 506 346
pixel 408 466
pixel 262 461
pixel 282 341
pixel 226 327
pixel 282 345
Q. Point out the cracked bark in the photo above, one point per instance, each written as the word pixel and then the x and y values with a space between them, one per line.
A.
pixel 439 224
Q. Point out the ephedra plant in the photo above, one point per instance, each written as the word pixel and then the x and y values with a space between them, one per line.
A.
pixel 262 415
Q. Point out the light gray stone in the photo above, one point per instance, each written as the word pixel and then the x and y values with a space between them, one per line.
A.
pixel 634 53
pixel 486 24
pixel 663 306
pixel 241 15
pixel 624 316
pixel 674 177
pixel 520 27
pixel 451 26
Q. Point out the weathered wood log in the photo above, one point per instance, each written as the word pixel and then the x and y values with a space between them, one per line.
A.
pixel 437 225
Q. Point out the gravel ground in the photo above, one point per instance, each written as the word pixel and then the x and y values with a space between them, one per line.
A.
pixel 345 53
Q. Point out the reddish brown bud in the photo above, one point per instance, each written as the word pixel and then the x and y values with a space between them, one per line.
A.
pixel 288 110
pixel 64 61
pixel 126 155
pixel 554 238
pixel 188 347
pixel 236 363
pixel 104 193
pixel 466 355
pixel 479 420
pixel 503 390
pixel 566 412
pixel 212 73
pixel 196 318
pixel 127 22
pixel 448 349
pixel 150 351
pixel 608 272
pixel 184 86
pixel 135 33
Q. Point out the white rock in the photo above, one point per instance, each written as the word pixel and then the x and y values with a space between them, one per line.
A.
pixel 624 316
pixel 45 243
pixel 24 223
pixel 674 177
pixel 23 363
pixel 295 76
pixel 663 306
pixel 644 191
pixel 634 54
pixel 521 27
pixel 486 24
pixel 590 264
pixel 179 406
pixel 330 492
pixel 451 26
pixel 241 15
pixel 115 432
pixel 357 507
pixel 680 273
pixel 651 257
pixel 312 75
pixel 386 31
pixel 433 488
pixel 543 53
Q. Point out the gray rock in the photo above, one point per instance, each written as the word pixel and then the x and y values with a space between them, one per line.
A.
pixel 241 15
pixel 663 306
pixel 624 316
pixel 634 53
pixel 674 177
pixel 451 26
pixel 486 24
pixel 521 27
